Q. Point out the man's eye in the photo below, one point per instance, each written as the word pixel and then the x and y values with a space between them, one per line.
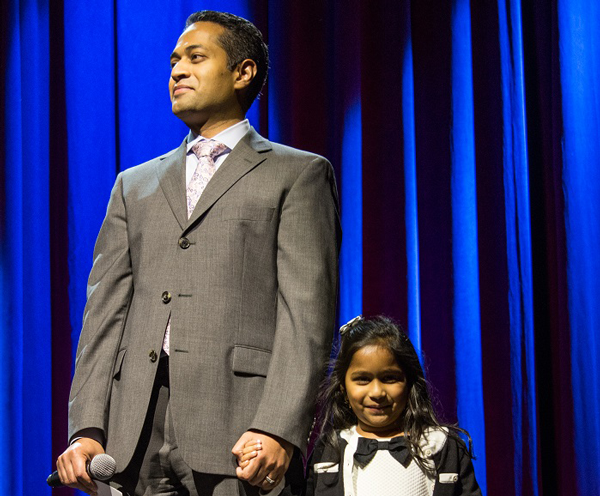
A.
pixel 197 56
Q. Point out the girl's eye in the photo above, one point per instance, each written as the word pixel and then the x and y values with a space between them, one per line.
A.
pixel 362 380
pixel 396 378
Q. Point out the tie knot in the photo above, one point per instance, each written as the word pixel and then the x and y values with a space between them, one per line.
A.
pixel 208 148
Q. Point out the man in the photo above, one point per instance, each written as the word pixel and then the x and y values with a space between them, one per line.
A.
pixel 212 297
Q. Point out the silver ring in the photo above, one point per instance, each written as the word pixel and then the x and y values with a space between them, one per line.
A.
pixel 269 480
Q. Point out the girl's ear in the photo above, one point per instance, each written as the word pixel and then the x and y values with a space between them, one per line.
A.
pixel 344 396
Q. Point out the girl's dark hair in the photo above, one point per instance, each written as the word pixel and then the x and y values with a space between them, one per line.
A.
pixel 335 412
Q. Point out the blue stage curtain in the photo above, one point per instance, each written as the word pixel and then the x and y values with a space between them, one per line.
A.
pixel 465 259
pixel 518 247
pixel 25 380
pixel 464 136
pixel 350 163
pixel 578 22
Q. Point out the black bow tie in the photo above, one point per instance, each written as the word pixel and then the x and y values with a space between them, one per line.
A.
pixel 398 447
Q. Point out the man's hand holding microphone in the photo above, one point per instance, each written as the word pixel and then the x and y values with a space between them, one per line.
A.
pixel 80 463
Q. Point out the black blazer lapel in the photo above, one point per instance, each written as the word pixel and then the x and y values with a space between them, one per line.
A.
pixel 170 170
pixel 246 155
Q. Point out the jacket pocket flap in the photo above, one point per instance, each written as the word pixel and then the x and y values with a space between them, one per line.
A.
pixel 251 361
pixel 327 467
pixel 449 478
pixel 119 363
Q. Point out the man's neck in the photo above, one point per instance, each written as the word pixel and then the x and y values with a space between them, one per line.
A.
pixel 212 129
pixel 212 125
pixel 230 136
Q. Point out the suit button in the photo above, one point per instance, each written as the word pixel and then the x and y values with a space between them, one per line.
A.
pixel 184 243
pixel 153 356
pixel 166 297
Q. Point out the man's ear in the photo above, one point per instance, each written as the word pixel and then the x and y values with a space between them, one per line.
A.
pixel 246 72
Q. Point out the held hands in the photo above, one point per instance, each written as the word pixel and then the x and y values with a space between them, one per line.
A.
pixel 263 459
pixel 72 464
pixel 250 451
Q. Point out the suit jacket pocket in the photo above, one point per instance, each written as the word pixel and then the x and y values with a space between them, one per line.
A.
pixel 251 361
pixel 119 364
pixel 248 212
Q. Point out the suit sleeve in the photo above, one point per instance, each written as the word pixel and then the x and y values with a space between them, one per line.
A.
pixel 109 291
pixel 307 273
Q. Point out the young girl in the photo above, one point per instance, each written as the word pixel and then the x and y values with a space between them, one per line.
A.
pixel 380 434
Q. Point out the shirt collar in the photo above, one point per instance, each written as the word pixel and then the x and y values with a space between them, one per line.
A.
pixel 229 137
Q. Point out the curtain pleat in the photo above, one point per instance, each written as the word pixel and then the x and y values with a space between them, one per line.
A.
pixel 518 236
pixel 25 382
pixel 465 257
pixel 580 78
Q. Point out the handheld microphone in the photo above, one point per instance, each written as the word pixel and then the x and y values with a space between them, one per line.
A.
pixel 102 467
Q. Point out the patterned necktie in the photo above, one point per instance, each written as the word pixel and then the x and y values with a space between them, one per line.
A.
pixel 397 446
pixel 206 151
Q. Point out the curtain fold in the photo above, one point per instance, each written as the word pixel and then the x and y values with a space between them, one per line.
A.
pixel 520 300
pixel 580 78
pixel 465 257
pixel 464 136
pixel 25 257
pixel 350 159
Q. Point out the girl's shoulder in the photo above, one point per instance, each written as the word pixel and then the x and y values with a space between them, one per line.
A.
pixel 438 439
pixel 433 441
pixel 330 446
pixel 347 434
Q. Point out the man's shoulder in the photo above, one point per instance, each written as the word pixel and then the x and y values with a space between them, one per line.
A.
pixel 280 151
pixel 291 153
pixel 149 167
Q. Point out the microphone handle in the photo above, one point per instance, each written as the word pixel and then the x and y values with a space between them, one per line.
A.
pixel 53 480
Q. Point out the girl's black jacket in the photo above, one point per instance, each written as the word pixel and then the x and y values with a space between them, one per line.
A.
pixel 453 468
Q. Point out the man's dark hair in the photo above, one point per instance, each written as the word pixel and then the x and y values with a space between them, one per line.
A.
pixel 241 40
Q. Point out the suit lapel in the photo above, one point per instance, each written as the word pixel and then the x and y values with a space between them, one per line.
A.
pixel 171 176
pixel 246 155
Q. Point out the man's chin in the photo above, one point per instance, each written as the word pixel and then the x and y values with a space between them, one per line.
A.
pixel 189 117
pixel 181 111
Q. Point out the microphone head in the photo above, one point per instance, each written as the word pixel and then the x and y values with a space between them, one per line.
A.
pixel 102 467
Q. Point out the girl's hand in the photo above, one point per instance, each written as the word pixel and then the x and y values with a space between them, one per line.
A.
pixel 248 452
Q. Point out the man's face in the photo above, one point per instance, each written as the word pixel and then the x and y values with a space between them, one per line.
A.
pixel 201 87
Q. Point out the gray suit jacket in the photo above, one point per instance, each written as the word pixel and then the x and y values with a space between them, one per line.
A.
pixel 250 284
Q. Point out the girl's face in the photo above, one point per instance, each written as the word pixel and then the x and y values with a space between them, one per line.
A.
pixel 377 391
